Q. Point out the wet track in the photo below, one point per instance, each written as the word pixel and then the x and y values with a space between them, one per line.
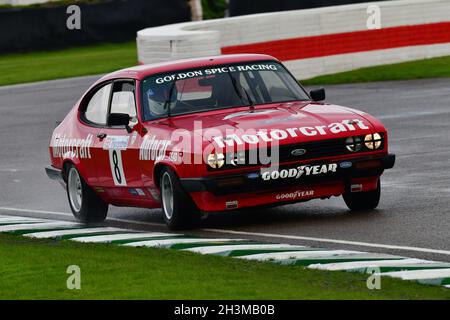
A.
pixel 414 210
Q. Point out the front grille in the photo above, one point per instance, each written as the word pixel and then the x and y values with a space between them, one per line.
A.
pixel 290 153
pixel 316 149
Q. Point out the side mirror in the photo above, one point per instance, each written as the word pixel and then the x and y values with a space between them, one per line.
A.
pixel 119 119
pixel 318 94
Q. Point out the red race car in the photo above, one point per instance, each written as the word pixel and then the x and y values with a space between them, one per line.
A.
pixel 213 134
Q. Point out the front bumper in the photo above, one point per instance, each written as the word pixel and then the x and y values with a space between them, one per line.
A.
pixel 55 174
pixel 347 170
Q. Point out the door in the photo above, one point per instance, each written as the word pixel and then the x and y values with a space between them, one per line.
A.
pixel 118 168
pixel 93 115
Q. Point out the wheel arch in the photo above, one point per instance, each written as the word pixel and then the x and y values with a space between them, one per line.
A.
pixel 67 163
pixel 157 169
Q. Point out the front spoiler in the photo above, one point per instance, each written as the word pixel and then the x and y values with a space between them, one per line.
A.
pixel 252 182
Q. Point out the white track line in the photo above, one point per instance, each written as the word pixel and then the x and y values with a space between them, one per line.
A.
pixel 258 234
pixel 59 233
pixel 24 221
pixel 36 211
pixel 300 255
pixel 36 226
pixel 355 243
pixel 232 247
pixel 69 215
pixel 122 236
pixel 367 264
pixel 419 274
pixel 169 242
pixel 8 219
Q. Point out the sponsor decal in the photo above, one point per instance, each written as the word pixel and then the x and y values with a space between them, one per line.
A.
pixel 298 152
pixel 76 147
pixel 115 143
pixel 136 192
pixel 212 71
pixel 175 157
pixel 298 194
pixel 153 149
pixel 281 134
pixel 133 191
pixel 232 204
pixel 253 175
pixel 99 189
pixel 154 193
pixel 296 173
pixel 345 164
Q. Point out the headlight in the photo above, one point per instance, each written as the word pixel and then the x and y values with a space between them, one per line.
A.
pixel 373 141
pixel 216 161
pixel 353 144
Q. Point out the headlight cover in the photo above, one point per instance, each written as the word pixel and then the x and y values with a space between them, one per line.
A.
pixel 373 141
pixel 216 161
pixel 353 144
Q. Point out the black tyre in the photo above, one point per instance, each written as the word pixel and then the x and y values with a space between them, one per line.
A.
pixel 86 206
pixel 358 201
pixel 178 208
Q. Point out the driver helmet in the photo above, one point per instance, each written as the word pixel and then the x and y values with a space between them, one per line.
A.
pixel 157 97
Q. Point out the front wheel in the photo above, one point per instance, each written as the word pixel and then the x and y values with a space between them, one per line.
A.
pixel 179 210
pixel 86 206
pixel 358 201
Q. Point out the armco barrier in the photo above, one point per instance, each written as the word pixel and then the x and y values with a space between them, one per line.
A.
pixel 314 41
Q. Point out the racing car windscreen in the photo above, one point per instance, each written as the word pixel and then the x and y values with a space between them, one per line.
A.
pixel 218 87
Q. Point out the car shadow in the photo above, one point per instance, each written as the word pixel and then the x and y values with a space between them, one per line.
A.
pixel 301 215
pixel 287 215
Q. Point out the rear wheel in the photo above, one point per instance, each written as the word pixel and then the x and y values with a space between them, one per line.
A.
pixel 178 208
pixel 86 206
pixel 358 201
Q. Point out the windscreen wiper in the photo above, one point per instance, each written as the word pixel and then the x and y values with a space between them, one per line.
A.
pixel 235 86
pixel 250 101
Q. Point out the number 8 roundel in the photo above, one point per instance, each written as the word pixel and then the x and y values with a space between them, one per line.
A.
pixel 115 161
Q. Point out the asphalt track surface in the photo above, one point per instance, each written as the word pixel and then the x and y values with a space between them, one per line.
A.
pixel 413 218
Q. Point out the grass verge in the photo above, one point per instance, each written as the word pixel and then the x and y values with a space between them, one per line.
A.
pixel 36 269
pixel 420 69
pixel 81 61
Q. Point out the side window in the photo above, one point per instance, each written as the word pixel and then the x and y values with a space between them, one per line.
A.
pixel 123 99
pixel 97 108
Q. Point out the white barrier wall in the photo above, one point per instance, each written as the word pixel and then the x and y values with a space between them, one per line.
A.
pixel 314 41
